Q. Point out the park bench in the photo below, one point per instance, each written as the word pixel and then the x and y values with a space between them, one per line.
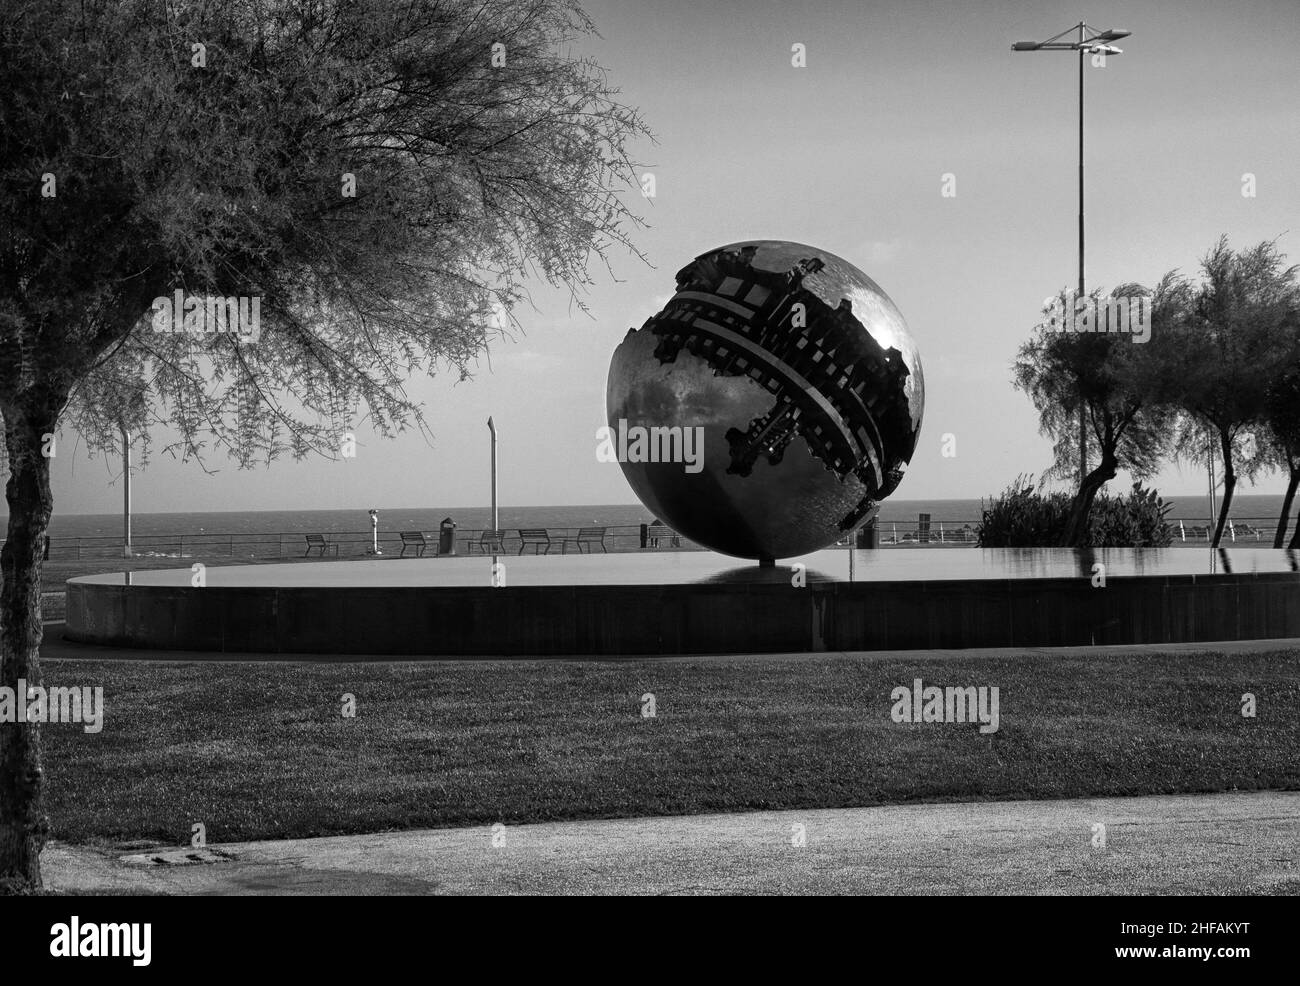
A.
pixel 656 531
pixel 536 536
pixel 416 540
pixel 585 535
pixel 493 541
pixel 961 534
pixel 315 541
pixel 1244 530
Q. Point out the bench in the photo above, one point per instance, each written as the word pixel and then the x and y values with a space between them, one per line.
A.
pixel 1244 530
pixel 585 535
pixel 656 531
pixel 416 540
pixel 315 541
pixel 493 541
pixel 962 534
pixel 536 536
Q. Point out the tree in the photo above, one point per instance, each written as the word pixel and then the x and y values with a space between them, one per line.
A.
pixel 380 177
pixel 1227 355
pixel 1282 426
pixel 1198 442
pixel 1116 376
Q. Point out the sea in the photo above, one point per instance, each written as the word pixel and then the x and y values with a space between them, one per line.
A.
pixel 1259 510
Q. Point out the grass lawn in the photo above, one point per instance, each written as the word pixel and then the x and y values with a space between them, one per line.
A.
pixel 262 750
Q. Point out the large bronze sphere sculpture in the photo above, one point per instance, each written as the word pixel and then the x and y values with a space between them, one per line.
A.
pixel 796 375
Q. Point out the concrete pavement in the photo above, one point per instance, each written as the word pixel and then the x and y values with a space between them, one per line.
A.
pixel 1184 844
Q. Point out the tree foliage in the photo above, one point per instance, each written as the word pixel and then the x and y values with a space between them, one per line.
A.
pixel 1281 436
pixel 1212 381
pixel 1115 377
pixel 1239 334
pixel 228 179
pixel 384 178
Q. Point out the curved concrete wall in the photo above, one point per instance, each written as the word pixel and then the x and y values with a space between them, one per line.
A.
pixel 684 619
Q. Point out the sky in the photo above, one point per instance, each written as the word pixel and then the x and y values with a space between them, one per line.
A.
pixel 848 154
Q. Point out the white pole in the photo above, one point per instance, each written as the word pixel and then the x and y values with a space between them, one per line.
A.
pixel 495 520
pixel 1213 513
pixel 126 491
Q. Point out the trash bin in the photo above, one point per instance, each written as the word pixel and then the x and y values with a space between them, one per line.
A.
pixel 868 535
pixel 447 537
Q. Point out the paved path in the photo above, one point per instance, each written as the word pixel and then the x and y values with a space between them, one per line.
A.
pixel 1184 844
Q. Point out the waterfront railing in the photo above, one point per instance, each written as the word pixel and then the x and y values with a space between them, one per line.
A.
pixel 618 538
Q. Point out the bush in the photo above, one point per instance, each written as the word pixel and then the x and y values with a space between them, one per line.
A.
pixel 1137 520
pixel 1023 517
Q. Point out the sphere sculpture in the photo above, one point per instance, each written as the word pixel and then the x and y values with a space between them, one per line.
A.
pixel 771 405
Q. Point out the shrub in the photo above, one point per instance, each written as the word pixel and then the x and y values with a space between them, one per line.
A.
pixel 1137 520
pixel 1024 517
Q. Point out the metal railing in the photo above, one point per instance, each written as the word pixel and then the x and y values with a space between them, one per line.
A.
pixel 291 544
pixel 1250 530
pixel 625 537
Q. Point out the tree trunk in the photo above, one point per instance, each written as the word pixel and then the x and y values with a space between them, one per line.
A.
pixel 23 825
pixel 1076 531
pixel 1285 517
pixel 1295 535
pixel 1229 482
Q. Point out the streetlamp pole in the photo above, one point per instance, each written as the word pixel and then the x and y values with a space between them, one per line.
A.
pixel 1083 405
pixel 1097 43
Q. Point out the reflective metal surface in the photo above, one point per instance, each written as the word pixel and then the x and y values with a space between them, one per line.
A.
pixel 798 376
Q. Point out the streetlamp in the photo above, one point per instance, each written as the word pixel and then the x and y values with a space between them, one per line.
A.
pixel 1089 42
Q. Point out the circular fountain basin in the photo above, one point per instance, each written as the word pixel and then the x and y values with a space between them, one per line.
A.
pixel 696 602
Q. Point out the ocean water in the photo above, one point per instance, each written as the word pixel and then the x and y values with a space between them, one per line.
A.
pixel 1260 510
